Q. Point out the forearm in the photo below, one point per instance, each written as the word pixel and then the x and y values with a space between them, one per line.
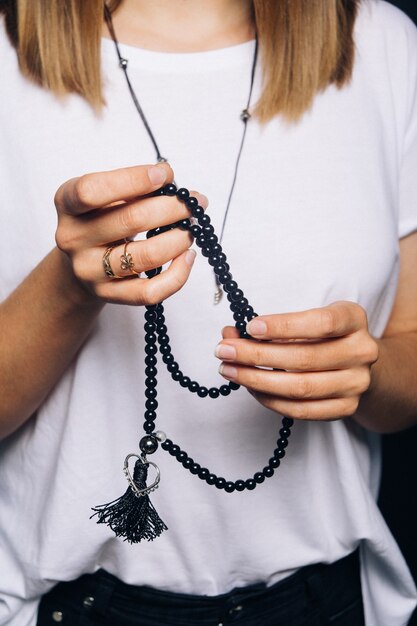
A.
pixel 43 323
pixel 390 404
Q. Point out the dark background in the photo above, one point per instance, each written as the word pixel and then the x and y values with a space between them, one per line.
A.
pixel 409 6
pixel 398 496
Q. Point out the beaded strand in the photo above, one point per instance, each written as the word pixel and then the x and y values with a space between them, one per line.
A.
pixel 156 336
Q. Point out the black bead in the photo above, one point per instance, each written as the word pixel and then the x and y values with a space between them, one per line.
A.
pixel 282 443
pixel 285 433
pixel 201 241
pixel 224 390
pixel 168 359
pixel 151 350
pixel 279 453
pixel 274 462
pixel 197 211
pixel 212 241
pixel 206 251
pixel 225 278
pixel 151 405
pixel 202 392
pixel 240 326
pixel 248 310
pixel 229 486
pixel 208 229
pixel 148 427
pixel 170 189
pixel 150 339
pixel 162 329
pixel 191 202
pixel 234 386
pixel 151 393
pixel 185 381
pixel 211 479
pixel 259 478
pixel 220 482
pixel 203 473
pixel 148 444
pixel 177 375
pixel 238 316
pixel 150 315
pixel 268 471
pixel 184 224
pixel 188 462
pixel 214 392
pixel 150 371
pixel 195 468
pixel 165 349
pixel 204 220
pixel 173 367
pixel 174 449
pixel 287 422
pixel 150 416
pixel 250 484
pixel 151 382
pixel 167 444
pixel 181 456
pixel 237 294
pixel 183 194
pixel 240 485
pixel 149 327
pixel 195 230
pixel 193 386
pixel 154 272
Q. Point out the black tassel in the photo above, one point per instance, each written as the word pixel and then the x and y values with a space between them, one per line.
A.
pixel 132 516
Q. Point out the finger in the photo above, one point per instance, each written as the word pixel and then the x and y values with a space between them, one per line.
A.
pixel 130 218
pixel 230 332
pixel 143 291
pixel 333 354
pixel 325 410
pixel 132 257
pixel 100 189
pixel 300 386
pixel 335 320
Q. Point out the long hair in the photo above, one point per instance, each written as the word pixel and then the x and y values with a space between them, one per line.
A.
pixel 305 46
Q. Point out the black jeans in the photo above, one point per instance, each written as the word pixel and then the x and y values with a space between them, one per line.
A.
pixel 318 595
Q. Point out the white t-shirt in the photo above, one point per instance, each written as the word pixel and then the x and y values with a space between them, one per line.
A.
pixel 316 216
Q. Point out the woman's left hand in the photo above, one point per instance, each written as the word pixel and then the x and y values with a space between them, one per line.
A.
pixel 319 361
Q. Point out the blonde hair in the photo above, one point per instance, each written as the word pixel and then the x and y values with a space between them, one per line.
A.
pixel 305 45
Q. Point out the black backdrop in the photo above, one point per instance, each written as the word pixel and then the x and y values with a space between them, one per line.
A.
pixel 398 496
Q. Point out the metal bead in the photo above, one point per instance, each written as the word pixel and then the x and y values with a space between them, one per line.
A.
pixel 160 435
pixel 88 601
pixel 123 63
pixel 245 115
pixel 148 444
pixel 57 616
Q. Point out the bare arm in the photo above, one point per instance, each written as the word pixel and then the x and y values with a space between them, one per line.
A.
pixel 48 317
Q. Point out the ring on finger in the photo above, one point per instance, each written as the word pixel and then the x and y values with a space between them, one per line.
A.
pixel 126 260
pixel 108 270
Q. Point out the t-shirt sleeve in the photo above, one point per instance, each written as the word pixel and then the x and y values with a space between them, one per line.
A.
pixel 407 222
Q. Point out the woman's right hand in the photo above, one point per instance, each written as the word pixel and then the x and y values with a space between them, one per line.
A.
pixel 105 209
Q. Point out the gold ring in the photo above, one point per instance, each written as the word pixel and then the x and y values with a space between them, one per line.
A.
pixel 106 263
pixel 126 260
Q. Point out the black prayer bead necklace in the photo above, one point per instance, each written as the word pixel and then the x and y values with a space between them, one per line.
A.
pixel 132 516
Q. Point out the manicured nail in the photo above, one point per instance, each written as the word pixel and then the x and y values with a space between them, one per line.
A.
pixel 256 328
pixel 190 257
pixel 225 352
pixel 228 371
pixel 157 175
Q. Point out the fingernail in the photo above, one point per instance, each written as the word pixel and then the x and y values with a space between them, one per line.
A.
pixel 228 371
pixel 256 328
pixel 225 352
pixel 190 257
pixel 157 175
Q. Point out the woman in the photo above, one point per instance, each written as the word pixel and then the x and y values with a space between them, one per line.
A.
pixel 320 235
